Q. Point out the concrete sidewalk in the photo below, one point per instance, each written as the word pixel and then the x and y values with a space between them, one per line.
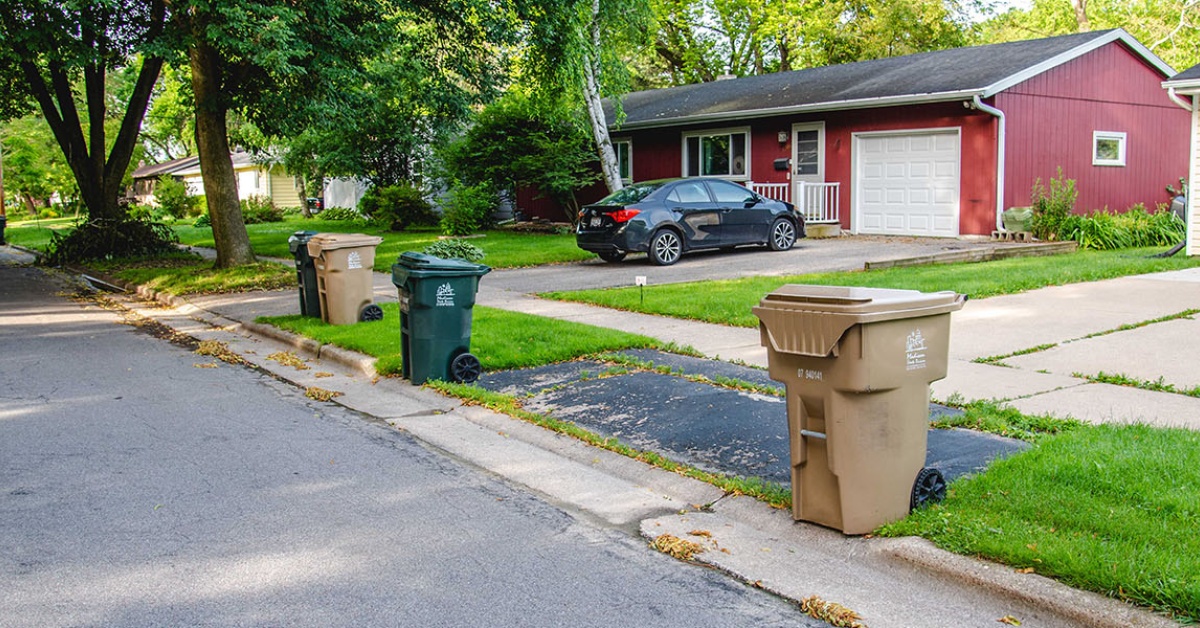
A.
pixel 1046 381
pixel 890 582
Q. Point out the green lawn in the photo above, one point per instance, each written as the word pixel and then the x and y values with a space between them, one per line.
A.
pixel 35 234
pixel 503 249
pixel 1111 509
pixel 186 274
pixel 501 339
pixel 728 302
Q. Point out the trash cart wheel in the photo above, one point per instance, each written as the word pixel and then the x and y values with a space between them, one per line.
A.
pixel 930 487
pixel 465 368
pixel 371 312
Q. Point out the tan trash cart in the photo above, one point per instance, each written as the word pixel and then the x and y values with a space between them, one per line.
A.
pixel 345 280
pixel 857 364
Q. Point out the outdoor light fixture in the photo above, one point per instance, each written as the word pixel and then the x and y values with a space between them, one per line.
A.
pixel 783 137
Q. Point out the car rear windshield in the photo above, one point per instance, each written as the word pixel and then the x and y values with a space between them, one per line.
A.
pixel 629 194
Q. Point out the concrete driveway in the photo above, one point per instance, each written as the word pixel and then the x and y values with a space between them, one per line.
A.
pixel 808 256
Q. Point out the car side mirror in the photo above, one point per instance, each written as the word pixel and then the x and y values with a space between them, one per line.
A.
pixel 752 201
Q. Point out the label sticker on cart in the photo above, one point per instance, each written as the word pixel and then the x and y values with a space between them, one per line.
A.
pixel 354 260
pixel 445 296
pixel 915 351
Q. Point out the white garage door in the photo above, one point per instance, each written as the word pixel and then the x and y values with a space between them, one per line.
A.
pixel 907 183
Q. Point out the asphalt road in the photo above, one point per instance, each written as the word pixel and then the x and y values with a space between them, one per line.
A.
pixel 139 487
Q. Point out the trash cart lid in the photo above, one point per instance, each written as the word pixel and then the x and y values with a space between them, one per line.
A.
pixel 810 320
pixel 330 241
pixel 412 264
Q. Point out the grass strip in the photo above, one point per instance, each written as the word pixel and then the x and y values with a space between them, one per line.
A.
pixel 992 418
pixel 1120 379
pixel 998 360
pixel 502 249
pixel 1170 317
pixel 186 274
pixel 728 302
pixel 499 338
pixel 1111 508
pixel 768 492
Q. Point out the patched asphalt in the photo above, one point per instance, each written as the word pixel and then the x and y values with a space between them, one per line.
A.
pixel 709 426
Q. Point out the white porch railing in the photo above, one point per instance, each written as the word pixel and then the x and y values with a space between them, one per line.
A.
pixel 773 191
pixel 820 202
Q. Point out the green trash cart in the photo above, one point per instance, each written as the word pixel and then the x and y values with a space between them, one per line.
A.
pixel 436 300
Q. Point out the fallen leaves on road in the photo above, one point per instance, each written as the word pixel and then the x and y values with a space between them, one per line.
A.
pixel 205 365
pixel 831 612
pixel 676 547
pixel 320 394
pixel 220 351
pixel 287 358
pixel 1010 620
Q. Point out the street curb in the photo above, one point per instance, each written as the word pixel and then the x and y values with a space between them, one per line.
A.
pixel 1088 609
pixel 345 357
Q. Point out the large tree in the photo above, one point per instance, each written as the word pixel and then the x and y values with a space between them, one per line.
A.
pixel 701 40
pixel 577 48
pixel 1170 28
pixel 59 55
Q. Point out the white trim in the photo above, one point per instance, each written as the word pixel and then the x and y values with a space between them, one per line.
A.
pixel 1001 155
pixel 856 183
pixel 1120 137
pixel 629 142
pixel 744 130
pixel 837 105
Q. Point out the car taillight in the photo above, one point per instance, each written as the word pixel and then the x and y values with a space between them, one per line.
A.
pixel 624 215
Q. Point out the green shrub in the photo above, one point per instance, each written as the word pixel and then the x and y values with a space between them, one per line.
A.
pixel 48 213
pixel 1104 231
pixel 173 198
pixel 468 209
pixel 137 211
pixel 1051 211
pixel 260 209
pixel 203 221
pixel 340 213
pixel 397 207
pixel 455 249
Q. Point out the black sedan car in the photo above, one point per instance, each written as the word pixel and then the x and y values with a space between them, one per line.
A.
pixel 668 217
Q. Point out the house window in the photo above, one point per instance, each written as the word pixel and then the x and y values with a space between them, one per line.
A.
pixel 719 154
pixel 624 150
pixel 1108 148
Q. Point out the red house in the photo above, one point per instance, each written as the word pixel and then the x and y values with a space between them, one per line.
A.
pixel 932 144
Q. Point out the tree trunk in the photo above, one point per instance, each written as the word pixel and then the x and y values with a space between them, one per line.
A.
pixel 216 164
pixel 1081 18
pixel 595 107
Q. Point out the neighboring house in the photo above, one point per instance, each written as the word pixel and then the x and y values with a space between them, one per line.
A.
pixel 933 144
pixel 254 178
pixel 1187 83
pixel 145 177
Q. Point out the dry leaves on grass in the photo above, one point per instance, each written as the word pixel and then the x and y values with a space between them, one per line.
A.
pixel 287 358
pixel 831 612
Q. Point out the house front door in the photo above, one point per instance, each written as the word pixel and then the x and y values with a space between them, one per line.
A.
pixel 808 161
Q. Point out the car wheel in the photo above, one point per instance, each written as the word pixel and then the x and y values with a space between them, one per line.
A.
pixel 612 256
pixel 783 235
pixel 665 248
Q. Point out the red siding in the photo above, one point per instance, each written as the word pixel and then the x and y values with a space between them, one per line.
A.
pixel 1051 118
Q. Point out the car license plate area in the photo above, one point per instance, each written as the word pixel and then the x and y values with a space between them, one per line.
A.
pixel 596 222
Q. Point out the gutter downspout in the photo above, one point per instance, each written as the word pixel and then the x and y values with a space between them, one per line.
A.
pixel 1000 142
pixel 1178 100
